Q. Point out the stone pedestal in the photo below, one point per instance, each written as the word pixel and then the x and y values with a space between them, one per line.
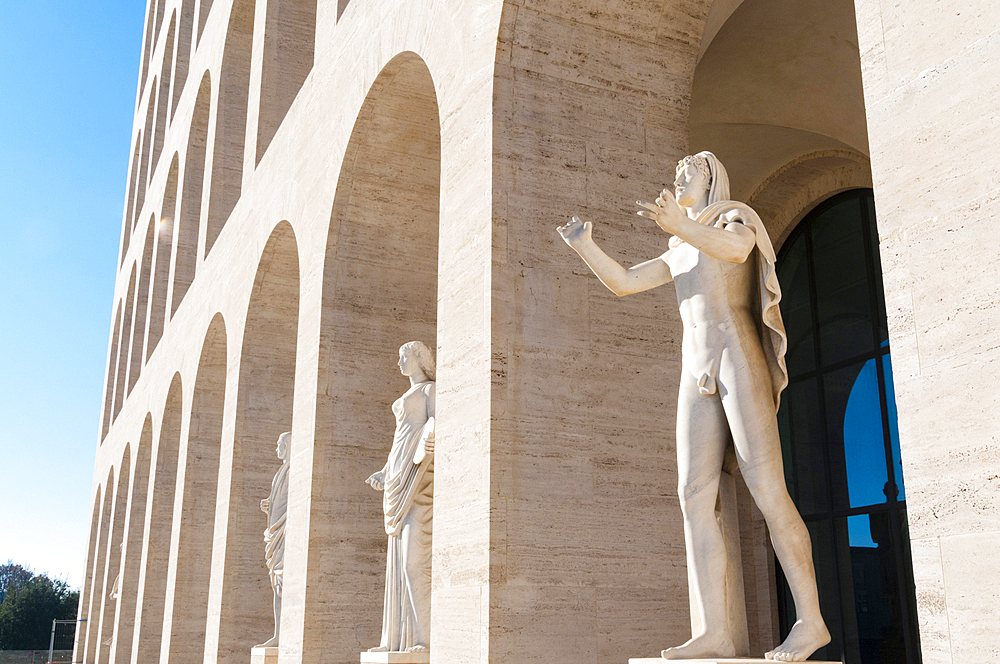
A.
pixel 712 660
pixel 264 655
pixel 396 657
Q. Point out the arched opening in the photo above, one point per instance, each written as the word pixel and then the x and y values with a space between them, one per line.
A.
pixel 109 387
pixel 230 121
pixel 160 8
pixel 141 300
pixel 129 210
pixel 263 412
pixel 164 249
pixel 112 576
pixel 156 553
pixel 163 96
pixel 839 434
pixel 87 589
pixel 379 291
pixel 780 80
pixel 147 134
pixel 289 43
pixel 589 115
pixel 97 576
pixel 123 348
pixel 183 54
pixel 189 615
pixel 132 553
pixel 189 221
pixel 203 12
pixel 147 50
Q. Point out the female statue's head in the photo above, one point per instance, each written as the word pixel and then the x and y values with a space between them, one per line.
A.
pixel 416 355
pixel 701 176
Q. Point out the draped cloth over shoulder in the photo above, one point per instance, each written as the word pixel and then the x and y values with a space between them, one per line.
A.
pixel 274 536
pixel 768 314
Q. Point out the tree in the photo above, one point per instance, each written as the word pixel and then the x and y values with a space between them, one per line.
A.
pixel 12 578
pixel 29 607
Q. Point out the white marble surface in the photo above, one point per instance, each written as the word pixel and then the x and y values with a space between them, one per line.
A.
pixel 719 258
pixel 713 660
pixel 396 657
pixel 264 655
pixel 407 485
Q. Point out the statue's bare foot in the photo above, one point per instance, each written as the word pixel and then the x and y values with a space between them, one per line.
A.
pixel 703 645
pixel 805 638
pixel 379 649
pixel 270 643
pixel 416 649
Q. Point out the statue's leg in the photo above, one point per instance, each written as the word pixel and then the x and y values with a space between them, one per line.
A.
pixel 750 410
pixel 702 436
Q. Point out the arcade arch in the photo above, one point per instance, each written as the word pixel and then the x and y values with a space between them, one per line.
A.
pixel 230 120
pixel 263 412
pixel 141 300
pixel 164 250
pixel 96 593
pixel 163 96
pixel 189 613
pixel 379 291
pixel 289 44
pixel 132 551
pixel 189 220
pixel 123 347
pixel 182 57
pixel 111 585
pixel 109 386
pixel 156 548
pixel 87 589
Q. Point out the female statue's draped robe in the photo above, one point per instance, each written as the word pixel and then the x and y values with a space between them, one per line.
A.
pixel 274 536
pixel 408 477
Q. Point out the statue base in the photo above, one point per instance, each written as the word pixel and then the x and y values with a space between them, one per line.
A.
pixel 712 660
pixel 264 655
pixel 423 657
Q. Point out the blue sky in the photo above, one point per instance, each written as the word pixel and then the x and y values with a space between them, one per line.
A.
pixel 68 73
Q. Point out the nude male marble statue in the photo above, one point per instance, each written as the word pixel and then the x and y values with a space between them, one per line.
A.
pixel 275 506
pixel 407 483
pixel 732 373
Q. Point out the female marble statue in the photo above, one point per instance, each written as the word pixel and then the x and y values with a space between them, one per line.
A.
pixel 275 506
pixel 732 373
pixel 407 480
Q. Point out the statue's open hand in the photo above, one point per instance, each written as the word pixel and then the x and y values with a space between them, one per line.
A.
pixel 576 231
pixel 665 212
pixel 376 481
pixel 264 504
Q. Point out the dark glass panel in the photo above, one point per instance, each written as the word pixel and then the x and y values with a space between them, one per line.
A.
pixel 880 317
pixel 803 446
pixel 857 444
pixel 890 398
pixel 796 306
pixel 876 591
pixel 842 288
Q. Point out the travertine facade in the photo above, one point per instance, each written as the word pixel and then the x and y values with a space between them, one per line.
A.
pixel 315 182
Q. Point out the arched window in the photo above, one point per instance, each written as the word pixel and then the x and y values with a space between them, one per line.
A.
pixel 839 435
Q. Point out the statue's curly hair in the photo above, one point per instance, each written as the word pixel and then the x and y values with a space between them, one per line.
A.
pixel 425 358
pixel 698 160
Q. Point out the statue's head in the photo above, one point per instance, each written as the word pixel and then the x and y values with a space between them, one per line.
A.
pixel 415 355
pixel 700 176
pixel 282 448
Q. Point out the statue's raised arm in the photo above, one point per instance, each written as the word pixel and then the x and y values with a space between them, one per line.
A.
pixel 619 280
